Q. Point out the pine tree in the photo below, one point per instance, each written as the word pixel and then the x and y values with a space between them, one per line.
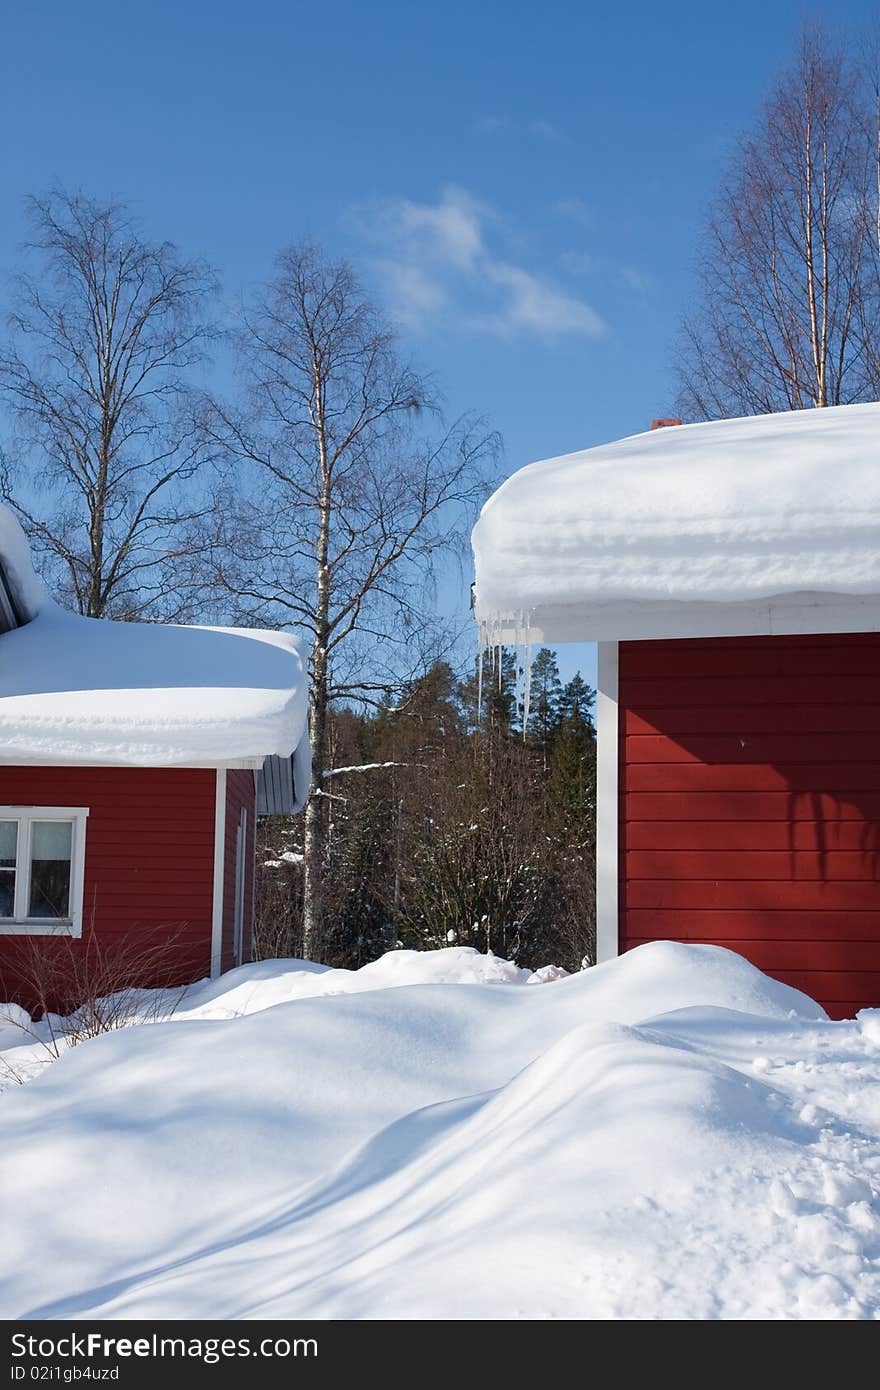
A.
pixel 571 785
pixel 430 704
pixel 571 818
pixel 497 699
pixel 572 782
pixel 577 700
pixel 544 703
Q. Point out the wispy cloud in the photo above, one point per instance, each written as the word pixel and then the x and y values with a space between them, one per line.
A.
pixel 578 262
pixel 415 295
pixel 449 231
pixel 574 210
pixel 635 279
pixel 490 125
pixel 538 127
pixel 440 259
pixel 545 130
pixel 536 304
pixel 586 263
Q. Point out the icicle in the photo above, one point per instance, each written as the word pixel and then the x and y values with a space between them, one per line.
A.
pixel 528 674
pixel 492 634
pixel 517 668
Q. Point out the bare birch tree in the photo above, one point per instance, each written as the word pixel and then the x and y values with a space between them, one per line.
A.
pixel 355 497
pixel 869 75
pixel 103 335
pixel 788 311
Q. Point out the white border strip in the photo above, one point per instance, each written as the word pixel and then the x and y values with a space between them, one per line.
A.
pixel 219 866
pixel 607 808
pixel 21 757
pixel 658 620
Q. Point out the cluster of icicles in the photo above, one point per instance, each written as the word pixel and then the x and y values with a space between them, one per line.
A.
pixel 491 644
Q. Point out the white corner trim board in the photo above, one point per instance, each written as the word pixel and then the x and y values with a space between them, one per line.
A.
pixel 607 811
pixel 219 867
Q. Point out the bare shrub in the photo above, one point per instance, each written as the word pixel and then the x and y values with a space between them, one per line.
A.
pixel 77 989
pixel 278 892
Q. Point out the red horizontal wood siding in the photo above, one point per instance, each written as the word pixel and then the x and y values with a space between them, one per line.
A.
pixel 750 804
pixel 701 893
pixel 149 858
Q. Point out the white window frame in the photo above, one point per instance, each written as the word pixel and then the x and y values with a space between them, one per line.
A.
pixel 21 924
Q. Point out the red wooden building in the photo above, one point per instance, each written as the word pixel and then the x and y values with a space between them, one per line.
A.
pixel 130 758
pixel 730 573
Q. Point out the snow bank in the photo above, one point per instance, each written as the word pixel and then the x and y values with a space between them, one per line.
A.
pixel 76 689
pixel 670 1135
pixel 869 1022
pixel 729 511
pixel 253 987
pixel 658 978
pixel 28 591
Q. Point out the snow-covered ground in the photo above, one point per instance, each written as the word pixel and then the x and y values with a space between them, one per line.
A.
pixel 440 1135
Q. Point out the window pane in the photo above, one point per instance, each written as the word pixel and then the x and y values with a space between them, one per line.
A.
pixel 8 846
pixel 8 842
pixel 51 845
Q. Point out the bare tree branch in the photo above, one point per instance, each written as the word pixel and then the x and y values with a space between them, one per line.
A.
pixel 789 313
pixel 102 340
pixel 351 498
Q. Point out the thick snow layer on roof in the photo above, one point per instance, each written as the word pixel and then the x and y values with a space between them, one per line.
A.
pixel 669 1135
pixel 15 558
pixel 80 690
pixel 729 511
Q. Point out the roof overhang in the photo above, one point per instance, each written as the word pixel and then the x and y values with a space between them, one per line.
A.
pixel 83 691
pixel 646 621
pixel 757 526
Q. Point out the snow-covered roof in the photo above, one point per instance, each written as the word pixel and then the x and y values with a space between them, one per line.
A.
pixel 673 531
pixel 84 690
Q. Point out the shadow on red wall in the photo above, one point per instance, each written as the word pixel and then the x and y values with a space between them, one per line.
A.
pixel 750 786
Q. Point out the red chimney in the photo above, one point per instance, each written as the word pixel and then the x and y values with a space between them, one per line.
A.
pixel 662 424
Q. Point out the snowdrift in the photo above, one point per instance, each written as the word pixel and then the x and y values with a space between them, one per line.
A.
pixel 672 1134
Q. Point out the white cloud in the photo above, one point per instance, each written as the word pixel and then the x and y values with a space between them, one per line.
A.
pixel 535 303
pixel 438 259
pixel 545 130
pixel 415 294
pixel 449 231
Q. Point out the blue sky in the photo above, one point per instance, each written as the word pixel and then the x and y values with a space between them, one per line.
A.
pixel 522 184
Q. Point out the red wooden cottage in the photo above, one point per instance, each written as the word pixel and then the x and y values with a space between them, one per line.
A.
pixel 730 573
pixel 130 755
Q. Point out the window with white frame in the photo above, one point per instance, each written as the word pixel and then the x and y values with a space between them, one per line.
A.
pixel 42 864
